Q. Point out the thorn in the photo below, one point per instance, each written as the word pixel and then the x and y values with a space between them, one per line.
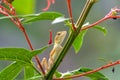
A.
pixel 113 69
pixel 115 18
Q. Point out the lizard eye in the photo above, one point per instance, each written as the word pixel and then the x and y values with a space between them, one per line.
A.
pixel 58 33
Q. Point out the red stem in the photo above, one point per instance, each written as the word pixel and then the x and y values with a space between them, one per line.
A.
pixel 70 14
pixel 92 25
pixel 92 71
pixel 101 20
pixel 31 47
pixel 102 67
pixel 48 5
pixel 36 57
pixel 18 23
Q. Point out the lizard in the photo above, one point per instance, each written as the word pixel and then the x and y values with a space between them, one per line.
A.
pixel 55 52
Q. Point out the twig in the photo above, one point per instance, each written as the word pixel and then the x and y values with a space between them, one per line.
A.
pixel 111 15
pixel 18 23
pixel 92 71
pixel 71 38
pixel 70 14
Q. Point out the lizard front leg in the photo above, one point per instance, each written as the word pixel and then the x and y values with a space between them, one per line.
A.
pixel 54 55
pixel 51 59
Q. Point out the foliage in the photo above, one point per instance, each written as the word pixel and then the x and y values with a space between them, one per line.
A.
pixel 94 76
pixel 26 8
pixel 22 58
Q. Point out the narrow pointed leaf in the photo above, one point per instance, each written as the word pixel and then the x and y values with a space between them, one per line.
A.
pixel 93 76
pixel 15 54
pixel 38 51
pixel 43 16
pixel 59 20
pixel 28 72
pixel 58 74
pixel 100 28
pixel 36 78
pixel 11 71
pixel 77 44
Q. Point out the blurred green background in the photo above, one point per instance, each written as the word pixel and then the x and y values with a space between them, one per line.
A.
pixel 96 46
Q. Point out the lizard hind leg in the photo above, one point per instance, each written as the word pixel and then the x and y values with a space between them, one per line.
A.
pixel 50 62
pixel 44 64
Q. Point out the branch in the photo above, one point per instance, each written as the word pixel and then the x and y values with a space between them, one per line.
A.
pixel 92 71
pixel 71 38
pixel 17 22
pixel 111 15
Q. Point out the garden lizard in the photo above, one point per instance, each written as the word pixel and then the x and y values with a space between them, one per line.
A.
pixel 55 51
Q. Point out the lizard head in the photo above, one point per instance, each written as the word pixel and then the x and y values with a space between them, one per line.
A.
pixel 60 37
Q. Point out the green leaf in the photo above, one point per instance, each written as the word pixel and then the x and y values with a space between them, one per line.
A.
pixel 77 44
pixel 15 54
pixel 93 76
pixel 43 16
pixel 37 77
pixel 24 6
pixel 102 29
pixel 23 58
pixel 38 51
pixel 58 74
pixel 60 19
pixel 19 54
pixel 67 75
pixel 11 71
pixel 28 72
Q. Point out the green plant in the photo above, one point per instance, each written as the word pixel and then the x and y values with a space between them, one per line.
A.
pixel 23 58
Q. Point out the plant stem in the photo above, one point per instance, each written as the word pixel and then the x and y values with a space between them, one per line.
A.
pixel 70 14
pixel 92 71
pixel 84 14
pixel 18 23
pixel 71 37
pixel 36 57
pixel 101 20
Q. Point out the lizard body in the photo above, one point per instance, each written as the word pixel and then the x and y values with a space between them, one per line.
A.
pixel 55 52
